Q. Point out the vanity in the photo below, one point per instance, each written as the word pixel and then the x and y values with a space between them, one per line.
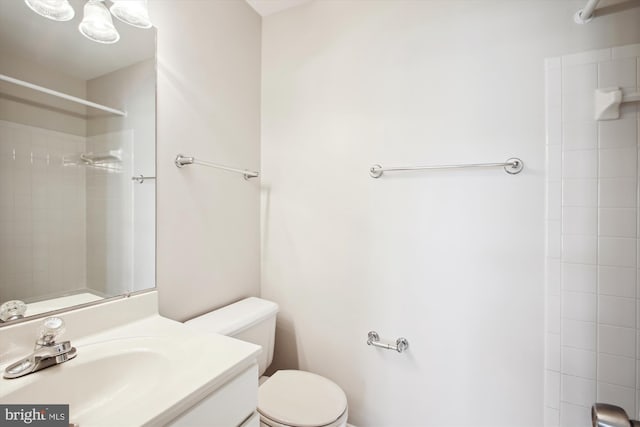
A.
pixel 136 368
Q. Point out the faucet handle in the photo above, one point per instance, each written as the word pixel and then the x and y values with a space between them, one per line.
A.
pixel 51 328
pixel 12 310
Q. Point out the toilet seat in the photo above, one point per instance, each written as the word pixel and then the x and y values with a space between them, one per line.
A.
pixel 293 398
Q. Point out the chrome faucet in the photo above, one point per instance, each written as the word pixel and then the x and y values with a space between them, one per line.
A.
pixel 47 351
pixel 605 415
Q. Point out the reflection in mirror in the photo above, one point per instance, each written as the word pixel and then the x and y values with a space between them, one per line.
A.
pixel 76 226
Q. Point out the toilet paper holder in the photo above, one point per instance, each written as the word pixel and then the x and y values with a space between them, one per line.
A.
pixel 374 339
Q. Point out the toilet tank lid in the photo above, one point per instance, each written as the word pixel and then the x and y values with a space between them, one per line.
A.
pixel 236 317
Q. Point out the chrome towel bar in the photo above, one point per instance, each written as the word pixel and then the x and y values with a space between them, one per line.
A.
pixel 374 339
pixel 181 161
pixel 511 166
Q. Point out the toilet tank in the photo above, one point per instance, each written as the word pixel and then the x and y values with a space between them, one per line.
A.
pixel 252 320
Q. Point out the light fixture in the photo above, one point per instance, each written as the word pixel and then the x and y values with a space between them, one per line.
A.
pixel 58 10
pixel 97 24
pixel 132 12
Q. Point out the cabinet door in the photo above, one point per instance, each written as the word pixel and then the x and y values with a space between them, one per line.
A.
pixel 230 405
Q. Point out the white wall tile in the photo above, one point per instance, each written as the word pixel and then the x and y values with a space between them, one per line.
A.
pixel 574 415
pixel 554 126
pixel 580 363
pixel 624 397
pixel 578 106
pixel 617 192
pixel 554 239
pixel 580 164
pixel 618 163
pixel 554 200
pixel 579 306
pixel 618 222
pixel 589 57
pixel 616 311
pixel 579 78
pixel 618 133
pixel 578 391
pixel 618 72
pixel 554 162
pixel 552 351
pixel 553 314
pixel 605 322
pixel 553 276
pixel 617 341
pixel 579 277
pixel 625 51
pixel 617 251
pixel 580 192
pixel 579 220
pixel 31 226
pixel 580 135
pixel 580 249
pixel 617 370
pixel 579 334
pixel 617 281
pixel 552 389
pixel 551 417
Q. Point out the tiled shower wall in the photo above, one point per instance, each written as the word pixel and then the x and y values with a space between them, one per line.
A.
pixel 42 213
pixel 592 264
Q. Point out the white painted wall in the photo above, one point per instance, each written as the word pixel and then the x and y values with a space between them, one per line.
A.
pixel 451 260
pixel 208 107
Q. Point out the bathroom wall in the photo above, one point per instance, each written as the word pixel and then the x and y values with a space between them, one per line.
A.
pixel 451 260
pixel 592 220
pixel 121 226
pixel 208 107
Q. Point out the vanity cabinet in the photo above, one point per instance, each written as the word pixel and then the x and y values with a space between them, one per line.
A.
pixel 233 404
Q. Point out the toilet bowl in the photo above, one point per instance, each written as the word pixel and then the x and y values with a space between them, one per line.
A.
pixel 289 398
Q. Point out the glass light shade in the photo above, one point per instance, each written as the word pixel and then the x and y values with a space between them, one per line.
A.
pixel 97 24
pixel 132 12
pixel 58 10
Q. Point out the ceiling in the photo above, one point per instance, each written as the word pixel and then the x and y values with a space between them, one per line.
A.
pixel 60 46
pixel 268 7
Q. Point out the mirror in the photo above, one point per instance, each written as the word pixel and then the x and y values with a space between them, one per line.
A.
pixel 77 183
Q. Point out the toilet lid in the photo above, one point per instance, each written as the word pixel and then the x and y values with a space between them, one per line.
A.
pixel 301 399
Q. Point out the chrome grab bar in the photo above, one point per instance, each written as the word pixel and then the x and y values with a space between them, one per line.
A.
pixel 374 339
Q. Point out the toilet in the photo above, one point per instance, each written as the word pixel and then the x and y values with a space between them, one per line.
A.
pixel 289 398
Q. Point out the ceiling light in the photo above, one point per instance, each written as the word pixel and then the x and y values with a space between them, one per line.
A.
pixel 58 10
pixel 132 12
pixel 97 24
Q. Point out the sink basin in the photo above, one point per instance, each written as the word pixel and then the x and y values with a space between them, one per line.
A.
pixel 145 373
pixel 107 374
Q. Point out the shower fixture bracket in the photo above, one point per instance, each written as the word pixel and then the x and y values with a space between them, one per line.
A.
pixel 608 100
